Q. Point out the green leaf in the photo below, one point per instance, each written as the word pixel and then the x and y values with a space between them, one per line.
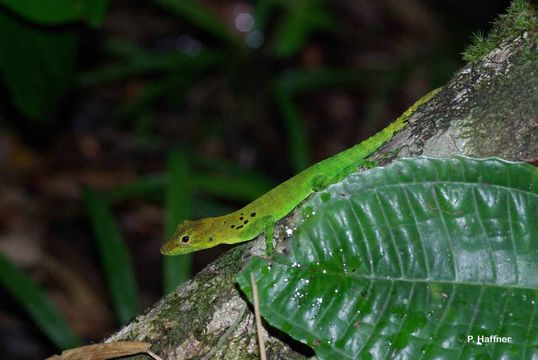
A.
pixel 57 12
pixel 37 304
pixel 408 260
pixel 115 258
pixel 36 65
pixel 302 19
pixel 177 269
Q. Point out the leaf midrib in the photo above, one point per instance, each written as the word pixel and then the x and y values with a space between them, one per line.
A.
pixel 401 279
pixel 460 183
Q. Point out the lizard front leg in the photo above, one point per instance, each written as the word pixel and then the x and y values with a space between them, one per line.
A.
pixel 268 231
pixel 264 225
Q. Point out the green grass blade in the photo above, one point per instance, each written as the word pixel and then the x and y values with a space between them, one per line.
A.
pixel 295 131
pixel 34 300
pixel 300 21
pixel 177 269
pixel 200 17
pixel 115 258
pixel 139 61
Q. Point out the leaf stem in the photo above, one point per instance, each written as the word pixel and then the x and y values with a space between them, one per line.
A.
pixel 261 344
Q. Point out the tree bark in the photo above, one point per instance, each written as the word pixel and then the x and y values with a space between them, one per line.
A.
pixel 489 108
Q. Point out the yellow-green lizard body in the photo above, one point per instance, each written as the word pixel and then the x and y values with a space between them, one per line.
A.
pixel 261 215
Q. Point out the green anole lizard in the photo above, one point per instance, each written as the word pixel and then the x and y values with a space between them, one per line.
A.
pixel 261 215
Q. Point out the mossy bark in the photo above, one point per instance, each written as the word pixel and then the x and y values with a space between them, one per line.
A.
pixel 489 108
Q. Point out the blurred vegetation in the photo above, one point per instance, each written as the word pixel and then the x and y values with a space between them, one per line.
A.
pixel 37 55
pixel 177 269
pixel 115 257
pixel 100 96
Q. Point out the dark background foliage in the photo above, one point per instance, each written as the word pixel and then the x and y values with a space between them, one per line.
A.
pixel 193 107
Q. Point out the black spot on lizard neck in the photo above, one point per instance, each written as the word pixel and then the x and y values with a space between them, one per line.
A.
pixel 245 222
pixel 253 214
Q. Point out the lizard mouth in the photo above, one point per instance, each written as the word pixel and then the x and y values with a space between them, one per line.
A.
pixel 168 248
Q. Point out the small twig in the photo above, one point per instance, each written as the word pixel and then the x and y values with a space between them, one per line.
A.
pixel 105 351
pixel 256 300
pixel 153 355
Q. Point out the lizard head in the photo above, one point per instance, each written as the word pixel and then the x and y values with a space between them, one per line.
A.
pixel 189 236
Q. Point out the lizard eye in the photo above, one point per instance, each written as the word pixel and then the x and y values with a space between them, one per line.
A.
pixel 185 239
